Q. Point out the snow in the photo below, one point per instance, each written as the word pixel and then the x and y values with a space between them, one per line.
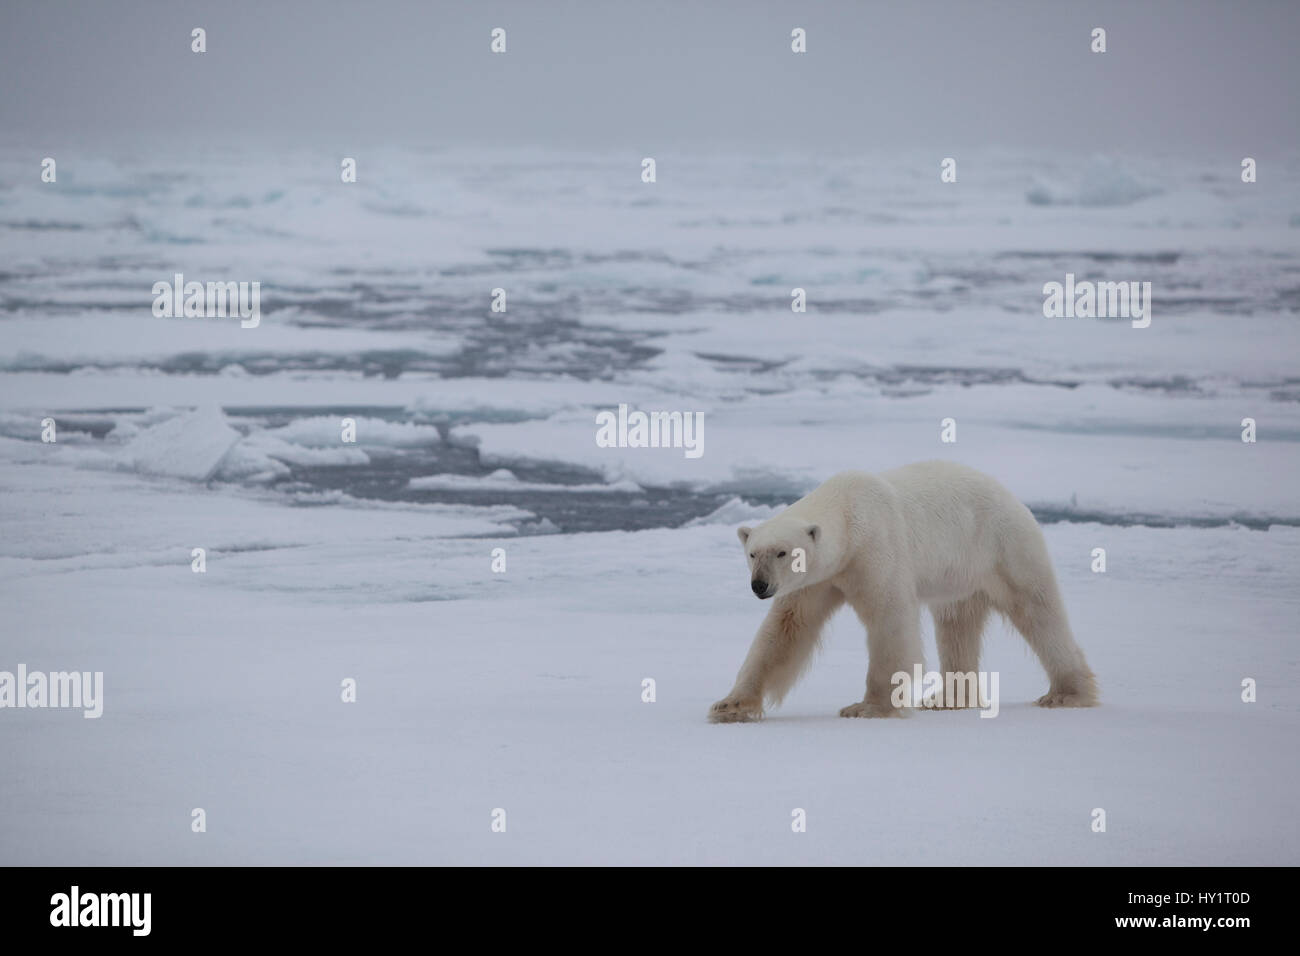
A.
pixel 1104 182
pixel 136 336
pixel 735 511
pixel 522 691
pixel 262 456
pixel 190 445
pixel 505 480
pixel 1114 466
pixel 322 431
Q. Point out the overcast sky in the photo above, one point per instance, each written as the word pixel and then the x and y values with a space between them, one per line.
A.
pixel 656 74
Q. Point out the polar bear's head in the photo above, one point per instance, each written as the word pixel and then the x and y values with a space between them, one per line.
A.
pixel 781 554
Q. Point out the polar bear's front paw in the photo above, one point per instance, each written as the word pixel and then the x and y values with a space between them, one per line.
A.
pixel 864 709
pixel 1058 698
pixel 731 710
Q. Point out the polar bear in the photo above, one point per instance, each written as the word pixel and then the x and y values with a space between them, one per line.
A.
pixel 934 533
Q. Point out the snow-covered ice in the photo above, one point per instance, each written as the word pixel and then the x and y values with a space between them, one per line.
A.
pixel 522 691
pixel 475 431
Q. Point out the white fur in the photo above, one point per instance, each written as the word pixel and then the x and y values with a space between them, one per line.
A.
pixel 934 533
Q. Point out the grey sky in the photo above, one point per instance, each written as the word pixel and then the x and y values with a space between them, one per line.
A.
pixel 656 74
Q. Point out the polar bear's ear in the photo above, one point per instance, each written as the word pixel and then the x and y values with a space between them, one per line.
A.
pixel 743 534
pixel 814 531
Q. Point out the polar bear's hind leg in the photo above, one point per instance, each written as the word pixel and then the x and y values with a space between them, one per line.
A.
pixel 1040 618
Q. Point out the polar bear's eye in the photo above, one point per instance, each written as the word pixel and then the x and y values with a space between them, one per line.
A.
pixel 752 555
pixel 781 555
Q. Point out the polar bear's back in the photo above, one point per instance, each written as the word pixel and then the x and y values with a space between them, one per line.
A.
pixel 954 497
pixel 963 528
pixel 935 484
pixel 939 479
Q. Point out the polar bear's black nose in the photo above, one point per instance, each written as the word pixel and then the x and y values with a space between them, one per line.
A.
pixel 760 587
